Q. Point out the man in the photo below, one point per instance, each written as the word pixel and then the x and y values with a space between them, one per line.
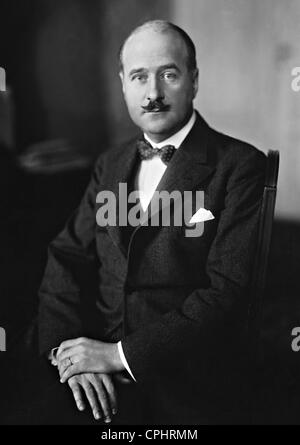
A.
pixel 168 315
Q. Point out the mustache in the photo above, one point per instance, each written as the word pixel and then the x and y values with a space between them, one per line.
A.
pixel 156 105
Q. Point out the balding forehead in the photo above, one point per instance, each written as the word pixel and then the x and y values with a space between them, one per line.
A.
pixel 146 40
pixel 148 30
pixel 164 28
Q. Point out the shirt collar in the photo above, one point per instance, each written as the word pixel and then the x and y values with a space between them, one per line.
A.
pixel 177 138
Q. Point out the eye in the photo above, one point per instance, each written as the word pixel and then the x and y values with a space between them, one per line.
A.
pixel 142 78
pixel 169 76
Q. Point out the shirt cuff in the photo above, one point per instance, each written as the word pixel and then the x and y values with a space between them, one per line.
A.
pixel 124 361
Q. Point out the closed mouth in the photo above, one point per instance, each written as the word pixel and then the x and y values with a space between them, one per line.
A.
pixel 157 110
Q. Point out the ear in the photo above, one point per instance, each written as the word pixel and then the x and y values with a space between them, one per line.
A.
pixel 121 75
pixel 195 78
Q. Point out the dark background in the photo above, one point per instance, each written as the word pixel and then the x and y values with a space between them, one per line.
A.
pixel 63 106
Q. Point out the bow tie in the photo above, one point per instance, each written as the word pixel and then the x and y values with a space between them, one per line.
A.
pixel 146 151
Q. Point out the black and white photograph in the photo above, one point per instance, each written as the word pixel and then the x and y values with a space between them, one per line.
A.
pixel 149 215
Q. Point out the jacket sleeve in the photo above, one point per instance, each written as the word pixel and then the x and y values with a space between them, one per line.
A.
pixel 205 311
pixel 71 268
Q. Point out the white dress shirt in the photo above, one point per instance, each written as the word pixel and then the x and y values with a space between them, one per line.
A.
pixel 148 178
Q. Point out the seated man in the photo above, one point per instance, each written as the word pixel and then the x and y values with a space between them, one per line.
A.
pixel 158 309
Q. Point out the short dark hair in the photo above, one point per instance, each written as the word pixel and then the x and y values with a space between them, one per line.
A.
pixel 164 26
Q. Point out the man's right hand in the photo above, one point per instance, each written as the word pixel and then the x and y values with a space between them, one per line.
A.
pixel 99 391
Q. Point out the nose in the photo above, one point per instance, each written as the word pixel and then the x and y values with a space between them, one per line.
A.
pixel 155 91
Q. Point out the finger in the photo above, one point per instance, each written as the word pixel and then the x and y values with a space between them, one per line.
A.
pixel 69 343
pixel 69 372
pixel 69 353
pixel 91 396
pixel 52 356
pixel 64 363
pixel 103 400
pixel 110 389
pixel 54 362
pixel 77 395
pixel 63 366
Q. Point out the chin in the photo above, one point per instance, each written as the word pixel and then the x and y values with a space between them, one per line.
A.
pixel 158 125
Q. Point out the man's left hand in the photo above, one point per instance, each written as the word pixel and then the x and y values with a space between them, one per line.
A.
pixel 84 355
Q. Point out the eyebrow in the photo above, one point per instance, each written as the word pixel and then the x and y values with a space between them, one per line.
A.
pixel 136 71
pixel 160 68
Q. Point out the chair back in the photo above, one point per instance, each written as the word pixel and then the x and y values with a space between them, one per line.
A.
pixel 258 283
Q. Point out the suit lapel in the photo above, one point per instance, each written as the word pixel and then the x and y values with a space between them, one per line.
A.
pixel 124 169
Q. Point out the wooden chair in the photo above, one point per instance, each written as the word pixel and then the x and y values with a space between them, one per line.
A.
pixel 258 282
pixel 263 248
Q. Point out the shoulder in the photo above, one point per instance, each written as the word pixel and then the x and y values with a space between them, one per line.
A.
pixel 233 154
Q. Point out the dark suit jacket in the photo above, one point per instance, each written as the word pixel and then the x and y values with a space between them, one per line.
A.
pixel 178 303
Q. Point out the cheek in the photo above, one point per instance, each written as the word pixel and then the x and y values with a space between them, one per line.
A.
pixel 179 95
pixel 132 97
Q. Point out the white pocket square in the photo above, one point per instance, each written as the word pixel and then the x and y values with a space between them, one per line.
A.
pixel 201 215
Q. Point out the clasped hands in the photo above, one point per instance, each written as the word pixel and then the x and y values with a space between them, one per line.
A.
pixel 89 367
